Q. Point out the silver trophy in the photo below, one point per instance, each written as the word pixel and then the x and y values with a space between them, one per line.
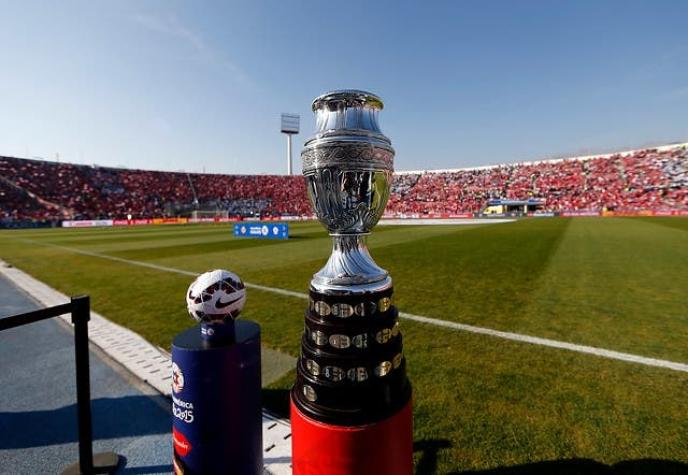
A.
pixel 348 165
pixel 351 370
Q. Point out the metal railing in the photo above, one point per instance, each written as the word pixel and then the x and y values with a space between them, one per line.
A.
pixel 80 309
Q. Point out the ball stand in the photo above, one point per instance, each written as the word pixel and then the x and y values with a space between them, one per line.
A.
pixel 216 403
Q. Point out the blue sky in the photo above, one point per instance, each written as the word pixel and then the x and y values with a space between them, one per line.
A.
pixel 200 85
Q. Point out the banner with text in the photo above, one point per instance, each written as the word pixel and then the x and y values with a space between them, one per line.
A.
pixel 86 223
pixel 262 230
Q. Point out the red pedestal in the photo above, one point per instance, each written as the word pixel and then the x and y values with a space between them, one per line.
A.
pixel 381 448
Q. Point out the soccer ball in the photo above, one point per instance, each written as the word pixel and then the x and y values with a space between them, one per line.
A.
pixel 216 296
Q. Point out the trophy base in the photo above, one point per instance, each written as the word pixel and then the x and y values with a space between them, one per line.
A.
pixel 380 448
pixel 352 370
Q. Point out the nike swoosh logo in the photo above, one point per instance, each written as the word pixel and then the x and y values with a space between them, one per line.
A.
pixel 220 304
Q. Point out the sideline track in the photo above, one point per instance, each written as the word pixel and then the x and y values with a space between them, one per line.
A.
pixel 38 410
pixel 518 337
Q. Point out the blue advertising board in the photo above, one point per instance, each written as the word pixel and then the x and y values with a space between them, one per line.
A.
pixel 261 230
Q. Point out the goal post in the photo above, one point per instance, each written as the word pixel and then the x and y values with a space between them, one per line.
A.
pixel 215 213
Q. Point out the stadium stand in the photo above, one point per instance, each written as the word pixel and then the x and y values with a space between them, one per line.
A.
pixel 637 181
pixel 643 180
pixel 92 192
pixel 18 204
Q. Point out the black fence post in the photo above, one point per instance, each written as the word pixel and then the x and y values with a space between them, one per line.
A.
pixel 80 308
pixel 81 314
pixel 87 464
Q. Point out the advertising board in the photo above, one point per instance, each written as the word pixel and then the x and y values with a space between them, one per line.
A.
pixel 262 230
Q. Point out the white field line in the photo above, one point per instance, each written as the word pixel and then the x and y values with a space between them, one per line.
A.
pixel 533 340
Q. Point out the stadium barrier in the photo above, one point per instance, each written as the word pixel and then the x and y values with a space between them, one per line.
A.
pixel 429 215
pixel 27 224
pixel 579 213
pixel 170 220
pixel 80 309
pixel 131 222
pixel 89 223
pixel 646 213
pixel 671 213
pixel 212 220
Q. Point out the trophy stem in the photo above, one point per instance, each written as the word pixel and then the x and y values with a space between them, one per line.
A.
pixel 350 268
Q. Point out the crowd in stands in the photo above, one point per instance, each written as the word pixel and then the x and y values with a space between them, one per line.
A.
pixel 17 204
pixel 645 180
pixel 648 179
pixel 92 192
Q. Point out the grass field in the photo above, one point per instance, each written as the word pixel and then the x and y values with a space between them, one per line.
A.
pixel 482 404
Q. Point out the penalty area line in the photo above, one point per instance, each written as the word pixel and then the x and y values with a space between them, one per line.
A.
pixel 518 337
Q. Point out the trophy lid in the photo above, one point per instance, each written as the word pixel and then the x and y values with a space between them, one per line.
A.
pixel 350 98
pixel 347 116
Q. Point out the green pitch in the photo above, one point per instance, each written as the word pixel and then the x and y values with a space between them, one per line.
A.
pixel 481 402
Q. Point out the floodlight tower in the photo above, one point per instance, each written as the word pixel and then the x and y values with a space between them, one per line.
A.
pixel 290 126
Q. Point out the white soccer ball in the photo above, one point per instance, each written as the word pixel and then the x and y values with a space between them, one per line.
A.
pixel 216 296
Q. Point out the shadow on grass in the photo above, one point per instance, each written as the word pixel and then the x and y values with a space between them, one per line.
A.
pixel 428 449
pixel 427 465
pixel 588 467
pixel 276 401
pixel 301 237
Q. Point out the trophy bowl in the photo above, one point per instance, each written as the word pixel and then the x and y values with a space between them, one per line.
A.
pixel 348 163
pixel 348 166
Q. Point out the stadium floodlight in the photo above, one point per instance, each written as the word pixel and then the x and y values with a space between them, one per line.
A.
pixel 290 126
